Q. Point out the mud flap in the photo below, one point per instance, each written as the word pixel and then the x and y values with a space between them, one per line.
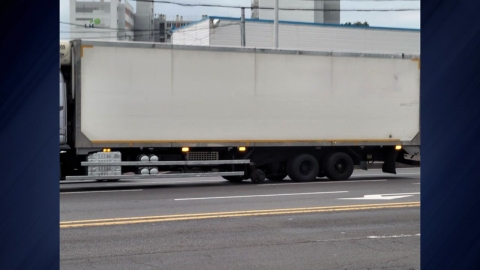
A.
pixel 363 165
pixel 389 160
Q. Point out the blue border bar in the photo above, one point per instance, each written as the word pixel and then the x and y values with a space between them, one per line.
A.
pixel 29 135
pixel 450 126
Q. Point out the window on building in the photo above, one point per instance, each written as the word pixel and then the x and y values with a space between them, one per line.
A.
pixel 90 7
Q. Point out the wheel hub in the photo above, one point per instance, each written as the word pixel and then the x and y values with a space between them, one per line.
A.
pixel 340 166
pixel 305 167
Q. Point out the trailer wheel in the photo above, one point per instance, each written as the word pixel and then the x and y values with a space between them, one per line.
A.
pixel 303 168
pixel 338 166
pixel 276 177
pixel 233 179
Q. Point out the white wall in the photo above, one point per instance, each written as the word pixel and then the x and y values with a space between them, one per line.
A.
pixel 227 33
pixel 316 38
pixel 196 34
pixel 342 39
pixel 164 95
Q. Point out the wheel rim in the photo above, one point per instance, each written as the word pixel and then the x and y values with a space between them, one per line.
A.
pixel 305 167
pixel 341 166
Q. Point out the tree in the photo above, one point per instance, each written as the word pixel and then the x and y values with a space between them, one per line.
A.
pixel 357 24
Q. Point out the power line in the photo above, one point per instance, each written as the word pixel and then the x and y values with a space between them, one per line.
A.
pixel 286 9
pixel 112 29
pixel 108 37
pixel 98 27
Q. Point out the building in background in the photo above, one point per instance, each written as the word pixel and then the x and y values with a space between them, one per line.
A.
pixel 144 21
pixel 126 20
pixel 112 20
pixel 116 20
pixel 314 11
pixel 224 31
pixel 254 10
pixel 163 27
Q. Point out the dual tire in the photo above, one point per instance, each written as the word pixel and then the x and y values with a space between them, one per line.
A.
pixel 305 167
pixel 338 166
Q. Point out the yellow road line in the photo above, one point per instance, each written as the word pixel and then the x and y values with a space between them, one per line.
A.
pixel 149 219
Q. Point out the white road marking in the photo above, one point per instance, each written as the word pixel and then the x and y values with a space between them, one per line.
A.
pixel 330 182
pixel 382 196
pixel 393 236
pixel 370 237
pixel 264 195
pixel 101 191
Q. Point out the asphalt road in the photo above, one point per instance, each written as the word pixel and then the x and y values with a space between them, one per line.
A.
pixel 371 221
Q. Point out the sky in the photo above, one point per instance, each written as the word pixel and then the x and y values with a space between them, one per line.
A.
pixel 398 19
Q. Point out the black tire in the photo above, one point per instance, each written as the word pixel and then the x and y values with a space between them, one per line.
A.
pixel 258 176
pixel 277 177
pixel 233 179
pixel 303 168
pixel 338 166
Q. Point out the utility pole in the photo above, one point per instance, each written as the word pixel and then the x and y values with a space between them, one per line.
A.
pixel 275 27
pixel 242 27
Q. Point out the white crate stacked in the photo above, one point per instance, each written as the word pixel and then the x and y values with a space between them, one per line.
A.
pixel 105 170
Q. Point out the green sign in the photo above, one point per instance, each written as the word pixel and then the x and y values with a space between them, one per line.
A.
pixel 96 21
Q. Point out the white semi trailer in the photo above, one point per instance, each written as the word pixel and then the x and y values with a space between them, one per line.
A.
pixel 240 113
